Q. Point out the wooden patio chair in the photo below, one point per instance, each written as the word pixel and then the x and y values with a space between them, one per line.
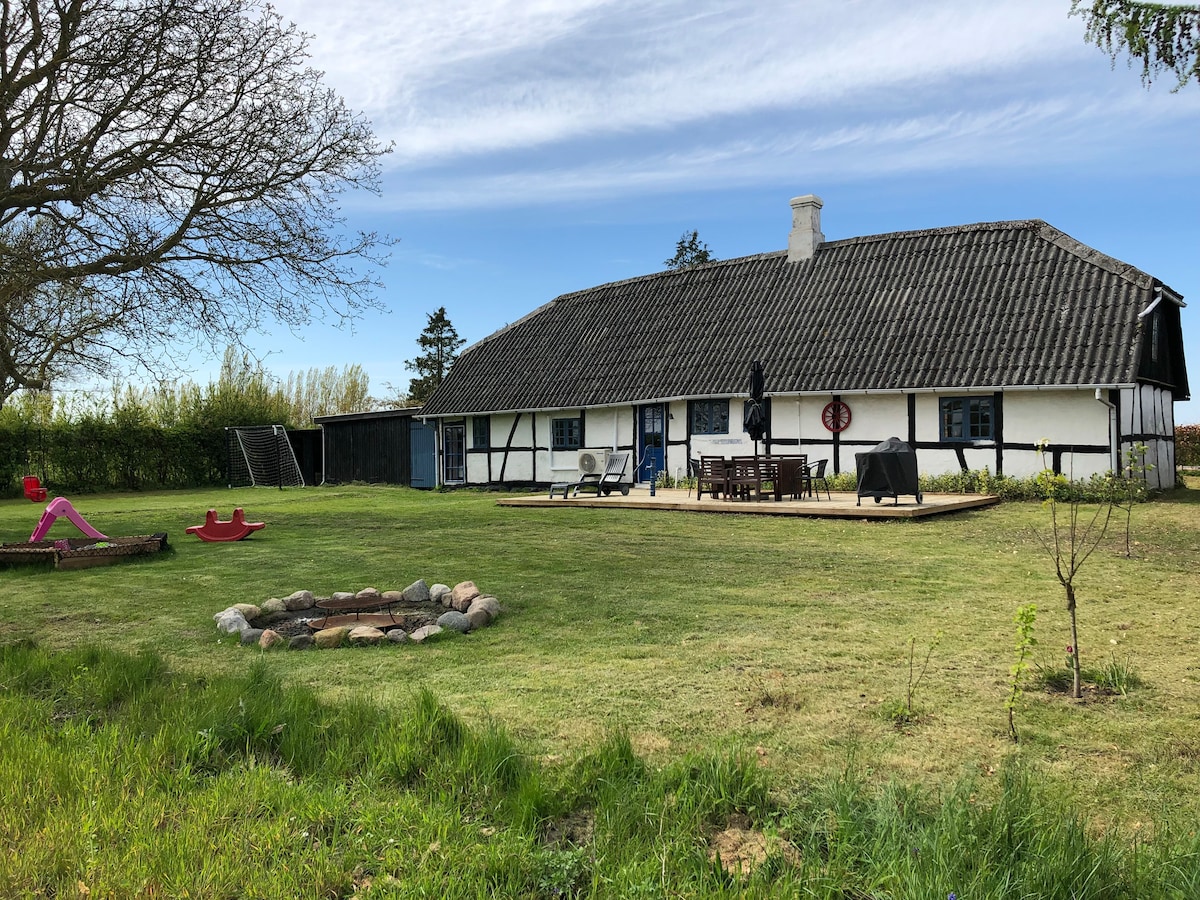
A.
pixel 602 483
pixel 713 472
pixel 746 472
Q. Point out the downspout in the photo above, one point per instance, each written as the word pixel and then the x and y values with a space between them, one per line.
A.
pixel 1114 437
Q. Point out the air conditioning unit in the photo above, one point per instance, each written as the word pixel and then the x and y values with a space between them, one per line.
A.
pixel 592 462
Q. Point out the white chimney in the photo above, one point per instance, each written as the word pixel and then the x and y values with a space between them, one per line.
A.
pixel 806 234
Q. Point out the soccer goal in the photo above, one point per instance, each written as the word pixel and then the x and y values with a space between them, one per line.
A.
pixel 261 456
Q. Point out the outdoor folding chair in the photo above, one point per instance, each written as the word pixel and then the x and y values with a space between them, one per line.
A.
pixel 606 483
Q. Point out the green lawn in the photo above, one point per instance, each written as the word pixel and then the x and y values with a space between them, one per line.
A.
pixel 693 634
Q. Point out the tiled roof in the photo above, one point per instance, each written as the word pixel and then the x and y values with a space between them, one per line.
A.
pixel 1001 304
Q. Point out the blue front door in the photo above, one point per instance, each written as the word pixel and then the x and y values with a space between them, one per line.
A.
pixel 651 441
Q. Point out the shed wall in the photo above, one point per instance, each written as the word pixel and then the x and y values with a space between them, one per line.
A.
pixel 375 451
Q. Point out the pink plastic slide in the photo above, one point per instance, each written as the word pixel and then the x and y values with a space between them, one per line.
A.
pixel 61 506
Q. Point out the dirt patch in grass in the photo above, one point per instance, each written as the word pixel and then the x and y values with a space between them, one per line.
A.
pixel 575 829
pixel 740 848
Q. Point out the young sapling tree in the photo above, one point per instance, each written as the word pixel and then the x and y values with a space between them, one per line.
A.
pixel 1074 536
pixel 1128 487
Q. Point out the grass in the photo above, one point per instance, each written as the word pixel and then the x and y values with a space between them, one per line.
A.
pixel 756 655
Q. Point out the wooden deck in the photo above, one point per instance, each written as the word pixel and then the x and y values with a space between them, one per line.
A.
pixel 841 506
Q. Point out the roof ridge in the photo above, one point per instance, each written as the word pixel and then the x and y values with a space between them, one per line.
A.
pixel 668 273
pixel 618 283
pixel 1040 227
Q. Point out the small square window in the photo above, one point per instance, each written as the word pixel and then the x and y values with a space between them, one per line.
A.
pixel 966 418
pixel 566 434
pixel 710 417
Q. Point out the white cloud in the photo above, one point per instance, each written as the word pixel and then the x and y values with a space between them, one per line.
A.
pixel 502 102
pixel 1017 134
pixel 480 76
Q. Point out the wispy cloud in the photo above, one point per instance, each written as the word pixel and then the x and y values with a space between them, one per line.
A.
pixel 477 76
pixel 1058 131
pixel 516 101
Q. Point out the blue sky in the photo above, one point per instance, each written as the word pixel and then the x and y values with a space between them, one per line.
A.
pixel 545 146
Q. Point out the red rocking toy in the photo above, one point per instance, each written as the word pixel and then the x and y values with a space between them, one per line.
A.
pixel 235 529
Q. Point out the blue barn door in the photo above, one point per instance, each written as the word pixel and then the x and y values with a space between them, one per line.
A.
pixel 651 441
pixel 422 451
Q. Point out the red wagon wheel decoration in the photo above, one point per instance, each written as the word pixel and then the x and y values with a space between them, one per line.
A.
pixel 835 416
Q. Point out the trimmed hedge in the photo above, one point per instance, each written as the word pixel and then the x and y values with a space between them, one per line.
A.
pixel 1187 445
pixel 99 455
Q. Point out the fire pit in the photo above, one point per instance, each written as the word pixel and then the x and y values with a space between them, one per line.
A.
pixel 369 616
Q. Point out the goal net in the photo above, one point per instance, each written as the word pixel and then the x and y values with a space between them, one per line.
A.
pixel 261 456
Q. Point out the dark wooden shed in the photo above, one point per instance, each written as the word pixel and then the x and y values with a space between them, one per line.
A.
pixel 390 446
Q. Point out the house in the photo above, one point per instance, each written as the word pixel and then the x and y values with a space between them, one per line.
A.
pixel 974 343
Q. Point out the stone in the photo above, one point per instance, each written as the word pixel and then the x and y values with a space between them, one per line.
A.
pixel 479 618
pixel 267 619
pixel 392 596
pixel 487 603
pixel 270 639
pixel 251 635
pixel 426 631
pixel 301 642
pixel 464 593
pixel 328 638
pixel 454 621
pixel 368 595
pixel 440 593
pixel 300 600
pixel 249 611
pixel 272 606
pixel 230 621
pixel 417 592
pixel 365 635
pixel 341 596
pixel 398 636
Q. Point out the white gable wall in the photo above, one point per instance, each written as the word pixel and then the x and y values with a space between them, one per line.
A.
pixel 1148 418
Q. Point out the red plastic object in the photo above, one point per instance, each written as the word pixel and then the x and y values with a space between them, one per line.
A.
pixel 34 490
pixel 235 529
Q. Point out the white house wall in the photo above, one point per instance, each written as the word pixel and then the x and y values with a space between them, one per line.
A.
pixel 1076 426
pixel 1062 419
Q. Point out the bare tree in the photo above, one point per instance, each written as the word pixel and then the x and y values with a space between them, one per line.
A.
pixel 169 170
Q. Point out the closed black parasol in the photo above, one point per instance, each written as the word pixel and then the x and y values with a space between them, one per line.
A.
pixel 755 421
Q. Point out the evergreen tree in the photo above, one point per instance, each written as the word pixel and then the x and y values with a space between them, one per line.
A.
pixel 689 251
pixel 439 344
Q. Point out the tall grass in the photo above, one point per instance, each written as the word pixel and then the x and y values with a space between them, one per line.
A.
pixel 122 778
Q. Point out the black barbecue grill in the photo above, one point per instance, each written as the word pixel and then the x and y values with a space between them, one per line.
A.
pixel 887 470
